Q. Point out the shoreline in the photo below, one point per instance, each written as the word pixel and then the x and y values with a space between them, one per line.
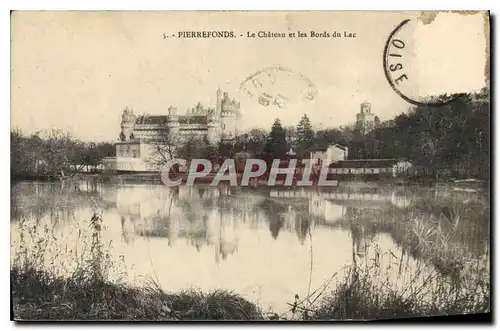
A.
pixel 153 178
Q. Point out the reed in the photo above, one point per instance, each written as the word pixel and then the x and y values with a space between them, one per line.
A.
pixel 40 293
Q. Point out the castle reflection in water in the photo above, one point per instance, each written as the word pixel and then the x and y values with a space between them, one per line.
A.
pixel 218 216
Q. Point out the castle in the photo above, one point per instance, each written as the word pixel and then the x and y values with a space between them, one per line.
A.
pixel 140 135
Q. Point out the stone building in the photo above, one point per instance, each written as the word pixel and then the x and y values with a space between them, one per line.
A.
pixel 140 134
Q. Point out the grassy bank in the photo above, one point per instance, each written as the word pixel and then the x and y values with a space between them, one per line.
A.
pixel 41 296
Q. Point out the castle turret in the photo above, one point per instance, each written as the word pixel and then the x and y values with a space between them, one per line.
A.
pixel 229 117
pixel 213 131
pixel 366 108
pixel 218 107
pixel 127 123
pixel 365 120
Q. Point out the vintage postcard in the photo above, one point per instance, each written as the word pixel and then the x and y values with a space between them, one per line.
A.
pixel 191 165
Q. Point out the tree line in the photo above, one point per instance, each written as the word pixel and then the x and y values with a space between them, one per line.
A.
pixel 451 140
pixel 54 153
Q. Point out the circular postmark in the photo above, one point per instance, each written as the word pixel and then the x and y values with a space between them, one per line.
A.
pixel 276 86
pixel 395 63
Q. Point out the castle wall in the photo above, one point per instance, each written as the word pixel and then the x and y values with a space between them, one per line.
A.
pixel 229 127
pixel 214 133
pixel 129 149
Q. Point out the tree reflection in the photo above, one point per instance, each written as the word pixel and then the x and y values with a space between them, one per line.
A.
pixel 273 213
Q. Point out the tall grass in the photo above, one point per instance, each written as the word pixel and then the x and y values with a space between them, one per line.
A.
pixel 84 292
pixel 374 288
pixel 449 238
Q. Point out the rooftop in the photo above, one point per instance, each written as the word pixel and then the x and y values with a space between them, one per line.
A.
pixel 366 163
pixel 193 119
pixel 151 120
pixel 163 119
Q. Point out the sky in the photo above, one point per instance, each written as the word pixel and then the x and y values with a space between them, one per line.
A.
pixel 77 71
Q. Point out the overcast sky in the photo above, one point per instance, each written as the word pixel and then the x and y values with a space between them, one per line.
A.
pixel 76 71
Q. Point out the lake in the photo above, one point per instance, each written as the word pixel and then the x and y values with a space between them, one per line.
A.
pixel 267 245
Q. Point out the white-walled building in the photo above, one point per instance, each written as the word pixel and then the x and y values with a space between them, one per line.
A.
pixel 332 153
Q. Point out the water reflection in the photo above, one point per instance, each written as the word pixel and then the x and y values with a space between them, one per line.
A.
pixel 257 242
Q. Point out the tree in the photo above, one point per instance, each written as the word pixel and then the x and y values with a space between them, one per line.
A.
pixel 58 152
pixel 91 154
pixel 256 141
pixel 276 143
pixel 21 162
pixel 193 147
pixel 305 135
pixel 163 147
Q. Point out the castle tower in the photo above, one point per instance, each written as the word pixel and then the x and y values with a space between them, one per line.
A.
pixel 213 126
pixel 229 117
pixel 365 119
pixel 173 122
pixel 213 131
pixel 366 108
